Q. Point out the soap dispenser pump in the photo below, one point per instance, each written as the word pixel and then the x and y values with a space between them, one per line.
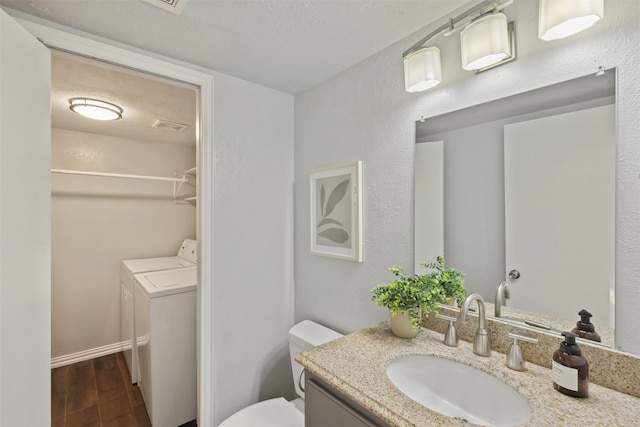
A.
pixel 584 328
pixel 570 370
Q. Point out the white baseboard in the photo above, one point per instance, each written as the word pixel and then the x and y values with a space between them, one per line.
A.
pixel 92 353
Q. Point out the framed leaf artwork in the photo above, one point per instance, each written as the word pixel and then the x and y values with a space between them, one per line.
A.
pixel 336 211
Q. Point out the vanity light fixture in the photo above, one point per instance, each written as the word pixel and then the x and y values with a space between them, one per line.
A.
pixel 95 109
pixel 562 18
pixel 487 41
pixel 487 38
pixel 422 69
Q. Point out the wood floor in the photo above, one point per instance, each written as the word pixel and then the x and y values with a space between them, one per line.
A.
pixel 96 392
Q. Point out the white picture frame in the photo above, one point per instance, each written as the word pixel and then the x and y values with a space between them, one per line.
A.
pixel 336 211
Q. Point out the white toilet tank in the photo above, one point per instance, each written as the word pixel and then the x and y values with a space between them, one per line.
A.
pixel 303 336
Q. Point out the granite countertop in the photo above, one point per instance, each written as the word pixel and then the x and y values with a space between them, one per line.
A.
pixel 356 366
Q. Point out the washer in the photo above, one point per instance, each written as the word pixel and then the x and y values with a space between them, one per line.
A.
pixel 187 257
pixel 165 316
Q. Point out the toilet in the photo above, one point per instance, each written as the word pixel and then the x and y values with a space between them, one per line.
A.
pixel 279 412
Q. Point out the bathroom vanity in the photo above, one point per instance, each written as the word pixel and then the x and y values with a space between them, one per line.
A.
pixel 349 375
pixel 325 406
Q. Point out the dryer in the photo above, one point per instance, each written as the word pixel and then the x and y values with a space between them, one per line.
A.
pixel 187 257
pixel 165 312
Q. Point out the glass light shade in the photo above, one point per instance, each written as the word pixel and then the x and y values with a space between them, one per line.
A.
pixel 485 42
pixel 562 18
pixel 422 69
pixel 95 109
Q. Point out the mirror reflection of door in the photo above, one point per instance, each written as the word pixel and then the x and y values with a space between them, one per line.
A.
pixel 559 202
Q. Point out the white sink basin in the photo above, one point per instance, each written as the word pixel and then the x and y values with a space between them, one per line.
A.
pixel 458 391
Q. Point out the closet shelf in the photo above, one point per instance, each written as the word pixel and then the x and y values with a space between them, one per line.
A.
pixel 179 179
pixel 178 186
pixel 187 177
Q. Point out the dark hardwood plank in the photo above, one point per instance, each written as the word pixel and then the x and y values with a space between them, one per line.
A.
pixel 59 395
pixel 117 412
pixel 97 393
pixel 133 391
pixel 87 417
pixel 109 379
pixel 141 415
pixel 81 391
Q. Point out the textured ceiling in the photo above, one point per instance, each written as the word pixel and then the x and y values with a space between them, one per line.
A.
pixel 144 99
pixel 288 45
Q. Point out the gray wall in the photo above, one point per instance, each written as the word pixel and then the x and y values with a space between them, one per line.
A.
pixel 364 114
pixel 253 244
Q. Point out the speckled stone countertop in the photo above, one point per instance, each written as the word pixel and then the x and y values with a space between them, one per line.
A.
pixel 356 366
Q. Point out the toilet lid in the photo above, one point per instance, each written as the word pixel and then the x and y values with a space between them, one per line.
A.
pixel 268 413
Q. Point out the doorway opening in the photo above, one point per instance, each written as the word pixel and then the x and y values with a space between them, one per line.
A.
pixel 203 82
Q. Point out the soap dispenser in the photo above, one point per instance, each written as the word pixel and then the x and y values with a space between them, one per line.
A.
pixel 584 328
pixel 570 370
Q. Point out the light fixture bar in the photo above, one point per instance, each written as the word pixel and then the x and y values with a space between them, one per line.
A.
pixel 455 24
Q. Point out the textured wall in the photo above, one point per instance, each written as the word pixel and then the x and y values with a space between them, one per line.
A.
pixel 253 244
pixel 364 114
pixel 98 222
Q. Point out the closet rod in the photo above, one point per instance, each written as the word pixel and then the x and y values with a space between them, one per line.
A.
pixel 119 175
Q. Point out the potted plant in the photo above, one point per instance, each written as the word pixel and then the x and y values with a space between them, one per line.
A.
pixel 407 299
pixel 410 298
pixel 451 280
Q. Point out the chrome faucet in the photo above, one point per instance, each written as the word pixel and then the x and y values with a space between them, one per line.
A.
pixel 503 293
pixel 481 344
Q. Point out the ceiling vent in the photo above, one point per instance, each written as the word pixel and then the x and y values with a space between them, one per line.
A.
pixel 173 6
pixel 170 126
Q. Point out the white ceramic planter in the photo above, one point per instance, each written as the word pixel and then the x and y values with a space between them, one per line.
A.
pixel 401 325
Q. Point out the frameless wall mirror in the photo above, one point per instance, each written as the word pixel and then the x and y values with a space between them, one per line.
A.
pixel 527 196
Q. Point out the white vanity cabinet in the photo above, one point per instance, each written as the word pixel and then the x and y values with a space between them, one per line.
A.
pixel 325 406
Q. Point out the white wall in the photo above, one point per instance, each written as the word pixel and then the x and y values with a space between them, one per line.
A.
pixel 252 239
pixel 25 258
pixel 364 114
pixel 253 245
pixel 97 222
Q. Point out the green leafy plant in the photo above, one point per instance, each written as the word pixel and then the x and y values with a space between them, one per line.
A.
pixel 423 291
pixel 451 280
pixel 408 294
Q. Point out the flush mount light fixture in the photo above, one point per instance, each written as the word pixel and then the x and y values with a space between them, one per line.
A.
pixel 485 42
pixel 562 18
pixel 422 69
pixel 95 109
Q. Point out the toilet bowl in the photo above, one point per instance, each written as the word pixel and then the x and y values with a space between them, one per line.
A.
pixel 279 412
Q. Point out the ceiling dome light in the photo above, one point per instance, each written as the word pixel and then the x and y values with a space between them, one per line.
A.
pixel 95 109
pixel 562 18
pixel 485 42
pixel 422 69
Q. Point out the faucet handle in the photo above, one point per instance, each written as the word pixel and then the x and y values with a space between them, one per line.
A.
pixel 515 358
pixel 451 336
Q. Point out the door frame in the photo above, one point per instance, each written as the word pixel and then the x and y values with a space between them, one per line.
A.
pixel 124 57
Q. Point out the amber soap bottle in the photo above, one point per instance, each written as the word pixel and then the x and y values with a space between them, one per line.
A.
pixel 584 328
pixel 570 370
